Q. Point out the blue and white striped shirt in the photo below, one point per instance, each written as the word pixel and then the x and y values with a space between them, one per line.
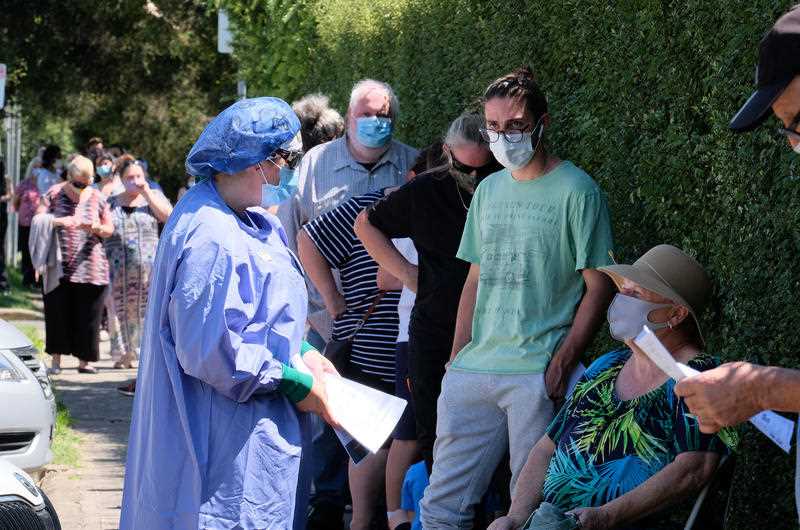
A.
pixel 328 175
pixel 373 347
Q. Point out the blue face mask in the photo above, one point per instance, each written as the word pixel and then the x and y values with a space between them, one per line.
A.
pixel 104 171
pixel 272 195
pixel 373 131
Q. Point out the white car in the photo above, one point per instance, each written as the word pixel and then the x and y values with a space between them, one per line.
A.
pixel 23 506
pixel 28 414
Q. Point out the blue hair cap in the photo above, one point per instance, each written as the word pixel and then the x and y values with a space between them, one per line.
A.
pixel 244 134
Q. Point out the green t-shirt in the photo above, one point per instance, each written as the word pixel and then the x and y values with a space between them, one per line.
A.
pixel 531 239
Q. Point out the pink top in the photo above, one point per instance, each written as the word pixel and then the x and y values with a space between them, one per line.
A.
pixel 82 253
pixel 28 195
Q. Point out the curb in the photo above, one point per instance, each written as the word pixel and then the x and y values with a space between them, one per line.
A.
pixel 12 314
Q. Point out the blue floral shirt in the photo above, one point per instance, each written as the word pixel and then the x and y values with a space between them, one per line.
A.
pixel 606 447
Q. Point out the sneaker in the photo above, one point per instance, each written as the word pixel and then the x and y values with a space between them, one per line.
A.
pixel 128 390
pixel 54 370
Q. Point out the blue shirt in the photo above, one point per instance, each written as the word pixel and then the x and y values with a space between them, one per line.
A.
pixel 413 489
pixel 213 444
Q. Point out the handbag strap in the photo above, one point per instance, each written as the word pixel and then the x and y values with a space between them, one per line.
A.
pixel 368 314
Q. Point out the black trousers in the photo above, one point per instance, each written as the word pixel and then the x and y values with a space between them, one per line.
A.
pixel 428 352
pixel 28 277
pixel 72 313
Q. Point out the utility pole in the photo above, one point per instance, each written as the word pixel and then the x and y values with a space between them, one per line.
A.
pixel 225 45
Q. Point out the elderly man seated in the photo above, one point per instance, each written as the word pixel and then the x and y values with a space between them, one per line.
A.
pixel 624 447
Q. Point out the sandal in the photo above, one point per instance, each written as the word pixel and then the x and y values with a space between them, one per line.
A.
pixel 128 389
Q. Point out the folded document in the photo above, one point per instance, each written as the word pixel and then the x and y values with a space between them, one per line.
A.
pixel 367 416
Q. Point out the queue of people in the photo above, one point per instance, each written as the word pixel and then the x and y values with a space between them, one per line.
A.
pixel 88 231
pixel 469 278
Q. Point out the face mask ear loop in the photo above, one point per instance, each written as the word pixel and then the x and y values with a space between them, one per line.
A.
pixel 261 170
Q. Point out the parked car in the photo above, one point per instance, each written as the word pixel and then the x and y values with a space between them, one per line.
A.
pixel 28 414
pixel 23 506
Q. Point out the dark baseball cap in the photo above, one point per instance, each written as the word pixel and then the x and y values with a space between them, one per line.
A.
pixel 778 64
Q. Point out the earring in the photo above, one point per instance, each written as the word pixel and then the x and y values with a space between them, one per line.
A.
pixel 669 324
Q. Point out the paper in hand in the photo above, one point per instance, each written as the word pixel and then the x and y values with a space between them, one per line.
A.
pixel 774 426
pixel 367 416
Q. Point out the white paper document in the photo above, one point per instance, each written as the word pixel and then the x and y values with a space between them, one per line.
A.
pixel 774 426
pixel 367 416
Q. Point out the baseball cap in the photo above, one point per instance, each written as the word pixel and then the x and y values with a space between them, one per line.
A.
pixel 778 64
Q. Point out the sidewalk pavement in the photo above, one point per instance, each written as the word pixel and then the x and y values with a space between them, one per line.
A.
pixel 89 497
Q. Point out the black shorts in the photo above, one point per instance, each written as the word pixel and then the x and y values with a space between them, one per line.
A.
pixel 406 428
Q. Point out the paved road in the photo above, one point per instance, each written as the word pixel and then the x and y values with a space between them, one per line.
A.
pixel 89 497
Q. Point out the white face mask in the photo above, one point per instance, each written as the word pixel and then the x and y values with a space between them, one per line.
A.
pixel 627 315
pixel 796 148
pixel 514 156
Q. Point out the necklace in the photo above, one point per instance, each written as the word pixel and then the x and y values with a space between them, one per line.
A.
pixel 460 198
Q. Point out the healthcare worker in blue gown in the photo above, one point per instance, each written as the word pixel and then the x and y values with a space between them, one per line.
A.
pixel 219 431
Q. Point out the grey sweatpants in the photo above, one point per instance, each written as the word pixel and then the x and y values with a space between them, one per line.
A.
pixel 479 417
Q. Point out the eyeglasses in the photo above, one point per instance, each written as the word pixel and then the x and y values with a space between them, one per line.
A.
pixel 512 135
pixel 292 158
pixel 791 131
pixel 480 171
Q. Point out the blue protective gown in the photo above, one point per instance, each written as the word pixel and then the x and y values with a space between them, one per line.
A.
pixel 213 443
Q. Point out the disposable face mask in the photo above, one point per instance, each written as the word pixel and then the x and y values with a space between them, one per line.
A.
pixel 516 155
pixel 272 195
pixel 627 315
pixel 130 186
pixel 373 131
pixel 103 171
pixel 796 148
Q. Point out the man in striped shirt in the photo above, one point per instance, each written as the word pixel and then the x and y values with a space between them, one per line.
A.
pixel 366 159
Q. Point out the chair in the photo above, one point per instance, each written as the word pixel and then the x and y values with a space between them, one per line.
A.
pixel 706 512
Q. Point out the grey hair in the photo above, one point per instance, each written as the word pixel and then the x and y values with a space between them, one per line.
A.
pixel 80 165
pixel 466 129
pixel 367 84
pixel 319 123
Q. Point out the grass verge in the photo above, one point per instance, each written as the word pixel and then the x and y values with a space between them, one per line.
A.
pixel 65 440
pixel 17 296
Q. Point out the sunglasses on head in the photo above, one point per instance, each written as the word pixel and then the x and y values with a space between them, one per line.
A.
pixel 481 171
pixel 292 158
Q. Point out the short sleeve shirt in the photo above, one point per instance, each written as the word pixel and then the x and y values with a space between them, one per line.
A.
pixel 45 179
pixel 531 240
pixel 29 196
pixel 414 485
pixel 373 348
pixel 431 210
pixel 606 447
pixel 83 255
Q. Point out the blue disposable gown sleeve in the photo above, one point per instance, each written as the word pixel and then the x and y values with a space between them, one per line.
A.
pixel 210 314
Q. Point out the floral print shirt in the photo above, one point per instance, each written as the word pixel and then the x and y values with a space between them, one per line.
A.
pixel 606 447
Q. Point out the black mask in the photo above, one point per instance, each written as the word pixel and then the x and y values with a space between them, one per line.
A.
pixel 79 185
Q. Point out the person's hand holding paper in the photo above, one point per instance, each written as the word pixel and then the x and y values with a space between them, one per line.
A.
pixel 775 427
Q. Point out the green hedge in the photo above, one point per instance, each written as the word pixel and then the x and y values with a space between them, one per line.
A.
pixel 641 95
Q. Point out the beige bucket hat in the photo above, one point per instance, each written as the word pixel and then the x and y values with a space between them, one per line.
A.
pixel 670 272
